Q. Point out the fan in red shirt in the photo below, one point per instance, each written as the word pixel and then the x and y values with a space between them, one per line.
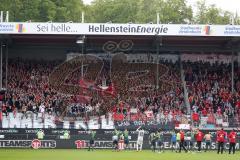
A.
pixel 195 118
pixel 204 112
pixel 199 137
pixel 232 139
pixel 221 134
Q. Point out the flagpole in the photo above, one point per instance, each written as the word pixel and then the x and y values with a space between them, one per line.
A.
pixel 82 71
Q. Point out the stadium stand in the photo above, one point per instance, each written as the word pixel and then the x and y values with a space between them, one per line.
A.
pixel 42 95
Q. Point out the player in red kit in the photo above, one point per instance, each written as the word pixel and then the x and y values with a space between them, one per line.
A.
pixel 232 141
pixel 182 144
pixel 199 137
pixel 221 134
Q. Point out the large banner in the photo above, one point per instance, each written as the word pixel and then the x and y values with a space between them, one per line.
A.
pixel 119 29
pixel 149 125
pixel 82 144
pixel 79 139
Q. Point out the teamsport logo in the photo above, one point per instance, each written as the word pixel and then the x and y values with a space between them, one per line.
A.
pixel 36 144
pixel 80 144
pixel 20 28
pixel 28 144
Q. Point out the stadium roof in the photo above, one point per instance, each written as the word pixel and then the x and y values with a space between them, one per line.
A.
pixel 144 37
pixel 141 44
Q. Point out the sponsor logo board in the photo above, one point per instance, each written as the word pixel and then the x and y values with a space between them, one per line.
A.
pixel 28 144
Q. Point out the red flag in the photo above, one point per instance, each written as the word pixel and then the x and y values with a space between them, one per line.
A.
pixel 82 83
pixel 111 89
pixel 118 117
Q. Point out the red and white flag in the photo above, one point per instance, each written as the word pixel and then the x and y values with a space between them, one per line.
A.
pixel 82 83
pixel 111 90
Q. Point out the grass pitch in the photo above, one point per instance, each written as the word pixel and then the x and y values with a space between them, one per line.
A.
pixel 74 154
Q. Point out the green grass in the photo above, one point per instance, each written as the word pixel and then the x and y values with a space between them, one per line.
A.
pixel 74 154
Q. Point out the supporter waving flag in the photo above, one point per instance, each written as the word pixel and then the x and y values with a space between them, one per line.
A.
pixel 111 90
pixel 82 83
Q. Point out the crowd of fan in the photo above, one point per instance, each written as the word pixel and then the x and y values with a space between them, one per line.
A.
pixel 210 89
pixel 30 89
pixel 209 94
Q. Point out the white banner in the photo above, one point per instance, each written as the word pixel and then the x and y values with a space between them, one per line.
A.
pixel 119 29
pixel 183 126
